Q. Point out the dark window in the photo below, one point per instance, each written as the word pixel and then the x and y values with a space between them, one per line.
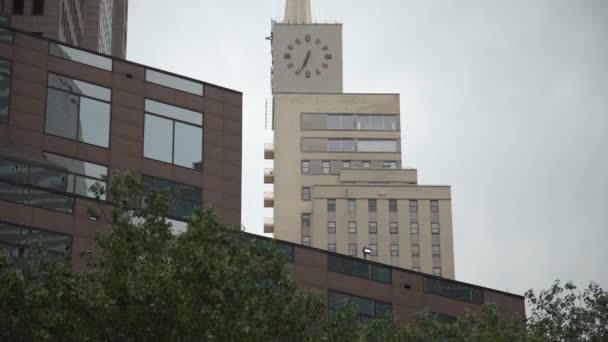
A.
pixel 393 228
pixel 82 176
pixel 5 89
pixel 184 199
pixel 435 206
pixel 18 7
pixel 331 205
pixel 305 194
pixel 33 185
pixel 38 7
pixel 173 135
pixel 360 269
pixel 373 227
pixel 305 167
pixel 452 290
pixel 331 227
pixel 16 241
pixel 392 206
pixel 367 309
pixel 78 110
pixel 371 206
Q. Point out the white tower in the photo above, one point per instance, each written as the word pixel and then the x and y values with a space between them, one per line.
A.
pixel 297 12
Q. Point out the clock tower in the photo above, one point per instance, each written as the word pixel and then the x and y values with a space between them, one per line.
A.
pixel 306 56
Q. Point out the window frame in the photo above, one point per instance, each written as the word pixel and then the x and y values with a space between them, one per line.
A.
pixel 78 129
pixel 175 121
pixel 305 162
pixel 10 88
pixel 306 193
pixel 75 175
pixel 393 228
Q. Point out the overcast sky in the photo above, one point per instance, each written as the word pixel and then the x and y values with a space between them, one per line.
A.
pixel 506 101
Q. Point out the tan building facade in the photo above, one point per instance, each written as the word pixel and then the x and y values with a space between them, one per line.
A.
pixel 99 25
pixel 338 177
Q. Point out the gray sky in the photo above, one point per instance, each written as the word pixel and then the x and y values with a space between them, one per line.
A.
pixel 506 101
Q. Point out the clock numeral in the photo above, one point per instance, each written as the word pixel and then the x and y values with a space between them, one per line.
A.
pixel 307 38
pixel 329 56
pixel 324 47
pixel 317 71
pixel 308 74
pixel 290 65
pixel 290 47
pixel 298 41
pixel 325 65
pixel 318 41
pixel 298 72
pixel 287 56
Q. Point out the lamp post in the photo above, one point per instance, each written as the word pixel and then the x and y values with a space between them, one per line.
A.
pixel 366 251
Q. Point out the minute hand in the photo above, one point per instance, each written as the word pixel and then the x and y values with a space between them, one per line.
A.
pixel 305 60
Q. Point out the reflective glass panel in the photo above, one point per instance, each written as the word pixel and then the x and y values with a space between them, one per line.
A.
pixel 80 87
pixel 84 187
pixel 5 95
pixel 6 36
pixel 5 67
pixel 47 200
pixel 94 122
pixel 61 114
pixel 81 56
pixel 78 166
pixel 12 193
pixel 174 112
pixel 158 139
pixel 47 178
pixel 377 146
pixel 13 171
pixel 188 147
pixel 174 82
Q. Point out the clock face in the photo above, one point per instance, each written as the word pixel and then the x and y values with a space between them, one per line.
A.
pixel 307 56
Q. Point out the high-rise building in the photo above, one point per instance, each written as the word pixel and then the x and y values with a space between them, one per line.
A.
pixel 71 118
pixel 99 25
pixel 339 180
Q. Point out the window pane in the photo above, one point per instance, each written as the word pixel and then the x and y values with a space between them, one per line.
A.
pixel 188 146
pixel 314 145
pixel 174 82
pixel 333 122
pixel 314 121
pixel 186 192
pixel 61 114
pixel 94 122
pixel 79 87
pixel 174 112
pixel 81 56
pixel 382 274
pixel 46 200
pixel 158 139
pixel 13 171
pixel 5 92
pixel 453 290
pixel 12 193
pixel 6 36
pixel 83 187
pixel 47 178
pixel 184 209
pixel 377 146
pixel 79 166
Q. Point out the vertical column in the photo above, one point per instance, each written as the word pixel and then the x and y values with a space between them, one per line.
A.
pixel 415 235
pixel 435 238
pixel 331 225
pixel 393 228
pixel 352 226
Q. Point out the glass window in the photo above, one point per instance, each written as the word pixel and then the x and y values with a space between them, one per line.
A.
pixel 6 36
pixel 367 165
pixel 305 220
pixel 435 228
pixel 434 206
pixel 82 175
pixel 5 89
pixel 306 240
pixel 393 228
pixel 358 268
pixel 377 146
pixel 331 205
pixel 352 227
pixel 352 250
pixel 374 249
pixel 392 206
pixel 38 7
pixel 415 249
pixel 346 164
pixel 435 239
pixel 72 114
pixel 389 165
pixel 352 205
pixel 305 167
pixel 15 242
pixel 371 205
pixel 340 121
pixel 453 290
pixel 305 194
pixel 377 122
pixel 394 250
pixel 172 141
pixel 331 227
pixel 331 247
pixel 437 271
pixel 18 7
pixel 326 167
pixel 413 206
pixel 367 309
pixel 174 82
pixel 340 145
pixel 415 239
pixel 36 198
pixel 80 56
pixel 414 228
pixel 289 251
pixel 373 227
pixel 184 199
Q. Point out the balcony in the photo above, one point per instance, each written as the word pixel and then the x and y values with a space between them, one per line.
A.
pixel 268 176
pixel 268 200
pixel 269 151
pixel 268 225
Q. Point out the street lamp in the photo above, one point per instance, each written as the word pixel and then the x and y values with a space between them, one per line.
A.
pixel 366 251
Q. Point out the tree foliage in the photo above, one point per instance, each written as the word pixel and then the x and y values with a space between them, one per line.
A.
pixel 214 283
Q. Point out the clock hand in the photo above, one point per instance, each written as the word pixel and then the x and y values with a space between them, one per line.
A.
pixel 305 61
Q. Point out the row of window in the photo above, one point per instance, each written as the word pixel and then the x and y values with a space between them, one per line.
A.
pixel 333 167
pixel 16 242
pixel 37 7
pixel 46 185
pixel 350 145
pixel 350 122
pixel 366 309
